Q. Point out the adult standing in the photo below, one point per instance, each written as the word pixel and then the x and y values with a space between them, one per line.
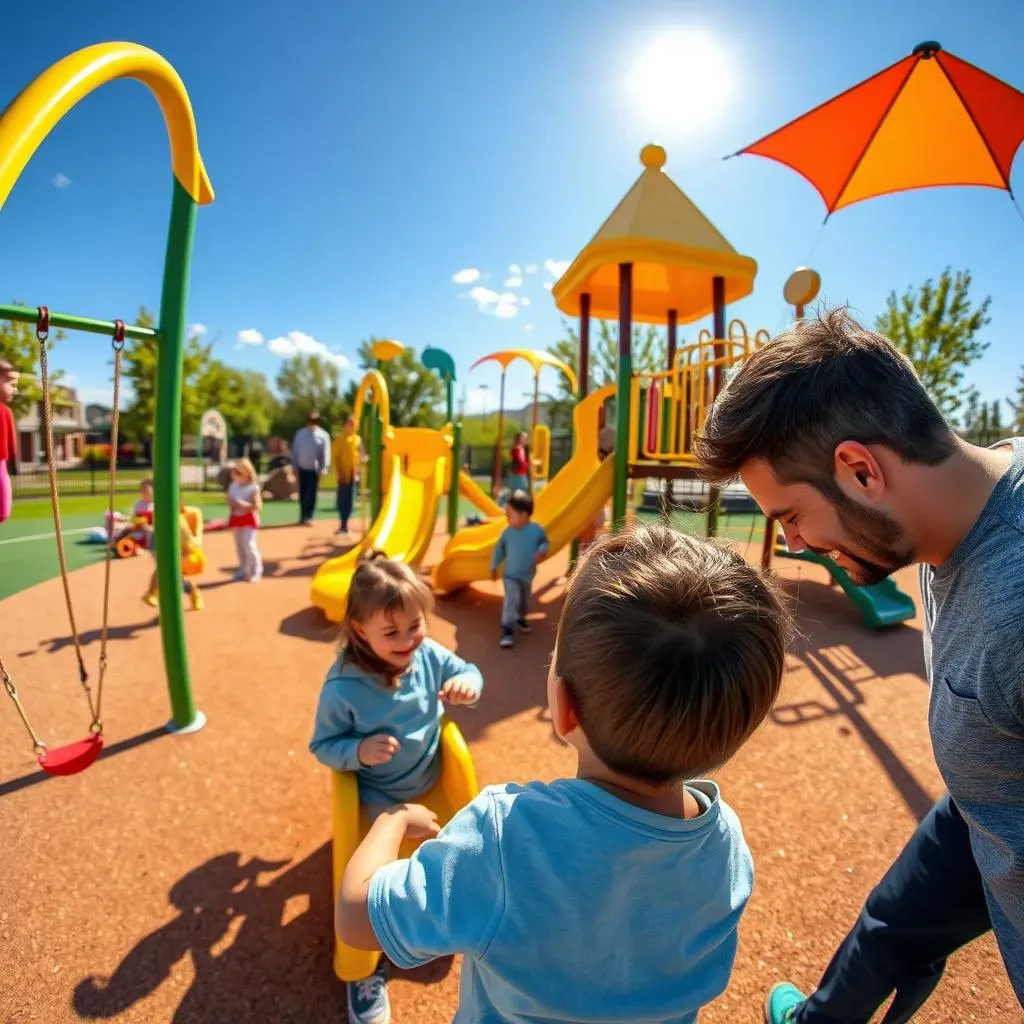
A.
pixel 345 453
pixel 835 437
pixel 311 448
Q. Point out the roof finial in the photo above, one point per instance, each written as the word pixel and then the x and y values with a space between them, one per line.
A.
pixel 926 50
pixel 653 155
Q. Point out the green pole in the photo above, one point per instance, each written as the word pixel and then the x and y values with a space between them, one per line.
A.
pixel 376 432
pixel 619 490
pixel 453 493
pixel 166 458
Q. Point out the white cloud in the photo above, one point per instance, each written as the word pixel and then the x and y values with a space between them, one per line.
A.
pixel 503 305
pixel 249 336
pixel 528 327
pixel 467 276
pixel 61 180
pixel 556 268
pixel 531 268
pixel 197 330
pixel 524 301
pixel 480 400
pixel 513 282
pixel 513 269
pixel 549 285
pixel 295 342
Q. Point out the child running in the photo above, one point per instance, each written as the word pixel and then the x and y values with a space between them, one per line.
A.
pixel 380 710
pixel 613 896
pixel 520 547
pixel 193 561
pixel 8 436
pixel 245 502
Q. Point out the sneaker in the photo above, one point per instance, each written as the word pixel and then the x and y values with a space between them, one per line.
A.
pixel 782 1003
pixel 368 1001
pixel 524 626
pixel 256 577
pixel 240 576
pixel 198 604
pixel 506 640
pixel 150 599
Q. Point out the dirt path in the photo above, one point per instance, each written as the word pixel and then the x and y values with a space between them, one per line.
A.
pixel 187 879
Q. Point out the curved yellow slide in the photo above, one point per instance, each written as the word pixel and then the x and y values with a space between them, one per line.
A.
pixel 564 507
pixel 414 464
pixel 472 491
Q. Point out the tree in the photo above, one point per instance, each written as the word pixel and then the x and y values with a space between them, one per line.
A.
pixel 1017 405
pixel 650 354
pixel 139 377
pixel 937 326
pixel 243 398
pixel 19 346
pixel 307 382
pixel 414 392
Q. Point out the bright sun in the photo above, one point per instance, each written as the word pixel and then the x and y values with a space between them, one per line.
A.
pixel 681 81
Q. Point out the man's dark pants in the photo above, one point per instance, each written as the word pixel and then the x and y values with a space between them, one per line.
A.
pixel 309 483
pixel 929 904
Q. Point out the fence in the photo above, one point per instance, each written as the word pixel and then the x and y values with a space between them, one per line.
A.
pixel 93 479
pixel 480 457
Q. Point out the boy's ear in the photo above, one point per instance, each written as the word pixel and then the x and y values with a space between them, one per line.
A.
pixel 563 714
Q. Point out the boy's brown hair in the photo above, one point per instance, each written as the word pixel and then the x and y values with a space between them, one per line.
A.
pixel 379 584
pixel 520 501
pixel 672 650
pixel 824 381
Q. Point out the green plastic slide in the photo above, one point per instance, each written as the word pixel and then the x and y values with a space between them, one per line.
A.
pixel 880 605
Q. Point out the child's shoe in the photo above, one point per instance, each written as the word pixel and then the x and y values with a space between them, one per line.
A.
pixel 197 601
pixel 506 639
pixel 524 626
pixel 782 1003
pixel 150 599
pixel 368 1001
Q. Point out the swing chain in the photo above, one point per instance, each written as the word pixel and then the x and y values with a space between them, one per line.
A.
pixel 117 343
pixel 38 746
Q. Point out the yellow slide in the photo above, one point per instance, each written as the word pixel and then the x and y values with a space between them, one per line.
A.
pixel 471 491
pixel 415 460
pixel 565 507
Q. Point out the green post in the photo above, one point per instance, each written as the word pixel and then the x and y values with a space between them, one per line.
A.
pixel 619 489
pixel 453 492
pixel 376 458
pixel 167 458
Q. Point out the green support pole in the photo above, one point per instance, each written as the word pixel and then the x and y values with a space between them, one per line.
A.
pixel 619 490
pixel 166 458
pixel 453 492
pixel 376 458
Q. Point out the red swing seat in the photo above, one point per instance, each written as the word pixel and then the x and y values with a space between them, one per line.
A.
pixel 71 758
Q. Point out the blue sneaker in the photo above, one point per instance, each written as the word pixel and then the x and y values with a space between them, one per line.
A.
pixel 781 1003
pixel 368 1001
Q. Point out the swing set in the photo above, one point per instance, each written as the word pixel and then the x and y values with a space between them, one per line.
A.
pixel 24 125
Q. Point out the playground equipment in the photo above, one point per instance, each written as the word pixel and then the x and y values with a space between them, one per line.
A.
pixel 456 787
pixel 537 360
pixel 24 125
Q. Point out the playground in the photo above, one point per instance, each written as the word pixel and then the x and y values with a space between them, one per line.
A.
pixel 182 869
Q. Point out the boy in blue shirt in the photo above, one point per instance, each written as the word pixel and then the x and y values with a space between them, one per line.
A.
pixel 613 896
pixel 521 546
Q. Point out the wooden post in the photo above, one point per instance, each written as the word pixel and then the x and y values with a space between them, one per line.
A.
pixel 582 388
pixel 622 396
pixel 718 301
pixel 496 476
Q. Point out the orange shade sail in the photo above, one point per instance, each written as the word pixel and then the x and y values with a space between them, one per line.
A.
pixel 930 119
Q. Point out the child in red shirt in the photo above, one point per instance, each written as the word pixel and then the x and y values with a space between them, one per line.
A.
pixel 8 436
pixel 519 465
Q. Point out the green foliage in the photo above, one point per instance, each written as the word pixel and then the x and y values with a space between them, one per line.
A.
pixel 1017 405
pixel 649 349
pixel 307 382
pixel 415 393
pixel 243 398
pixel 18 345
pixel 937 326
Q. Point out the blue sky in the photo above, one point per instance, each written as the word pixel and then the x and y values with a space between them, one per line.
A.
pixel 365 152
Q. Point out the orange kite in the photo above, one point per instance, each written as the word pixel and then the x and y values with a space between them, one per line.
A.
pixel 930 119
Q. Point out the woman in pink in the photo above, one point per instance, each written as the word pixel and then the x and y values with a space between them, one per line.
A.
pixel 8 436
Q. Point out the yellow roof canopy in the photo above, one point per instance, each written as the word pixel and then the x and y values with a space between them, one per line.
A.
pixel 675 250
pixel 537 359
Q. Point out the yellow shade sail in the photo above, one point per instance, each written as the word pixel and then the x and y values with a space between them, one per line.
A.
pixel 537 359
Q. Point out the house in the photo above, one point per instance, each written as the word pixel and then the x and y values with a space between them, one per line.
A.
pixel 69 428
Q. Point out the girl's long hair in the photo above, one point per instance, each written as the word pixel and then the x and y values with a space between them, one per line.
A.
pixel 379 584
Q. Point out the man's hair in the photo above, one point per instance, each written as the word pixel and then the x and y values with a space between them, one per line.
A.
pixel 521 502
pixel 824 381
pixel 672 651
pixel 312 417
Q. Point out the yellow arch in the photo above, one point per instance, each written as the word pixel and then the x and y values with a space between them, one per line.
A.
pixel 374 383
pixel 33 113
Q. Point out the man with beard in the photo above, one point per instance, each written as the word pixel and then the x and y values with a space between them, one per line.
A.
pixel 833 434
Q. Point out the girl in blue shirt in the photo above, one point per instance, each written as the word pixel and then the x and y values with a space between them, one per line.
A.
pixel 380 709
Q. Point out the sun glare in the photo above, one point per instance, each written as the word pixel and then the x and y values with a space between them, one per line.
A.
pixel 681 81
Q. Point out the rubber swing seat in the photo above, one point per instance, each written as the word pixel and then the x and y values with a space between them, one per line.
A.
pixel 72 758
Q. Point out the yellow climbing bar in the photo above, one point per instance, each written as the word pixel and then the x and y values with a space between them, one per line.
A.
pixel 34 112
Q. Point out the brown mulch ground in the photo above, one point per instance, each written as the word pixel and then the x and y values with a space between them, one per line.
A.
pixel 187 879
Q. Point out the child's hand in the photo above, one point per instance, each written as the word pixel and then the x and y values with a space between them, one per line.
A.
pixel 420 821
pixel 459 690
pixel 377 749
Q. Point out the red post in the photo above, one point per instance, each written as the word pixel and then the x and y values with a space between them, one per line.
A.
pixel 584 369
pixel 673 321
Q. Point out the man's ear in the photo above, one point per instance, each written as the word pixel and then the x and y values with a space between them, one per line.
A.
pixel 858 473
